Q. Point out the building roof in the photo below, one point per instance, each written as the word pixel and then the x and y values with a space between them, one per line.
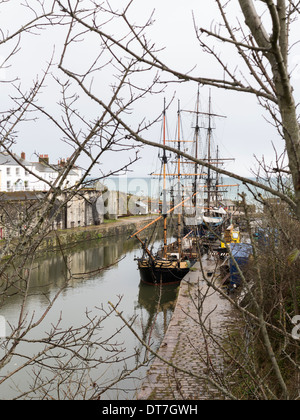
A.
pixel 20 196
pixel 9 160
pixel 43 167
pixel 6 159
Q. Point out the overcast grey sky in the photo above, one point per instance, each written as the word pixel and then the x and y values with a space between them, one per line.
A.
pixel 241 135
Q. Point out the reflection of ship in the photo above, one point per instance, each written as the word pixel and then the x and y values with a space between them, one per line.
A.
pixel 160 301
pixel 170 264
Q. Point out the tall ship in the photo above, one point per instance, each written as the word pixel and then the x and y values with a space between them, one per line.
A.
pixel 199 221
pixel 210 213
pixel 172 262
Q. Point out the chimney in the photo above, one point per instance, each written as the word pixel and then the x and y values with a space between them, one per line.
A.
pixel 44 159
pixel 23 156
pixel 63 162
pixel 68 161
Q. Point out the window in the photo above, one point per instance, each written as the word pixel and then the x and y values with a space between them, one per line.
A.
pixel 8 185
pixel 17 171
pixel 7 171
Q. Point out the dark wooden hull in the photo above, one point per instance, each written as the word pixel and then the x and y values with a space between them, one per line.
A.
pixel 162 273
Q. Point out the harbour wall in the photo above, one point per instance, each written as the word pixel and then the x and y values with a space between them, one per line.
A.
pixel 63 239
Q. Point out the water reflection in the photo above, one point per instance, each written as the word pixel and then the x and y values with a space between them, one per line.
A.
pixel 152 306
pixel 156 300
pixel 80 260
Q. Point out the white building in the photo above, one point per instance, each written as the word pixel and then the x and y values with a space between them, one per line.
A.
pixel 18 174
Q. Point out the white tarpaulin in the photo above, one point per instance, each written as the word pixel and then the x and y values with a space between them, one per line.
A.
pixel 212 219
pixel 220 211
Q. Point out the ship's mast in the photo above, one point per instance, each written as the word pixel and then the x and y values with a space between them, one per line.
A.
pixel 209 132
pixel 217 161
pixel 217 178
pixel 164 204
pixel 197 131
pixel 179 184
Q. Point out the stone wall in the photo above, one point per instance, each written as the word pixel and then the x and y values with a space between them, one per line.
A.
pixel 66 238
pixel 18 210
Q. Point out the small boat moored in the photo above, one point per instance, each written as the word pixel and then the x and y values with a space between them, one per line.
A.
pixel 163 271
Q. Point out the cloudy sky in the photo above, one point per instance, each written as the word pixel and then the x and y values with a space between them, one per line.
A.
pixel 242 134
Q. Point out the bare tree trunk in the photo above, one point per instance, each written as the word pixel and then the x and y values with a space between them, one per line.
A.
pixel 275 49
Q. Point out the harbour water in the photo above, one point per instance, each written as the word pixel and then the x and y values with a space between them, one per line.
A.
pixel 88 292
